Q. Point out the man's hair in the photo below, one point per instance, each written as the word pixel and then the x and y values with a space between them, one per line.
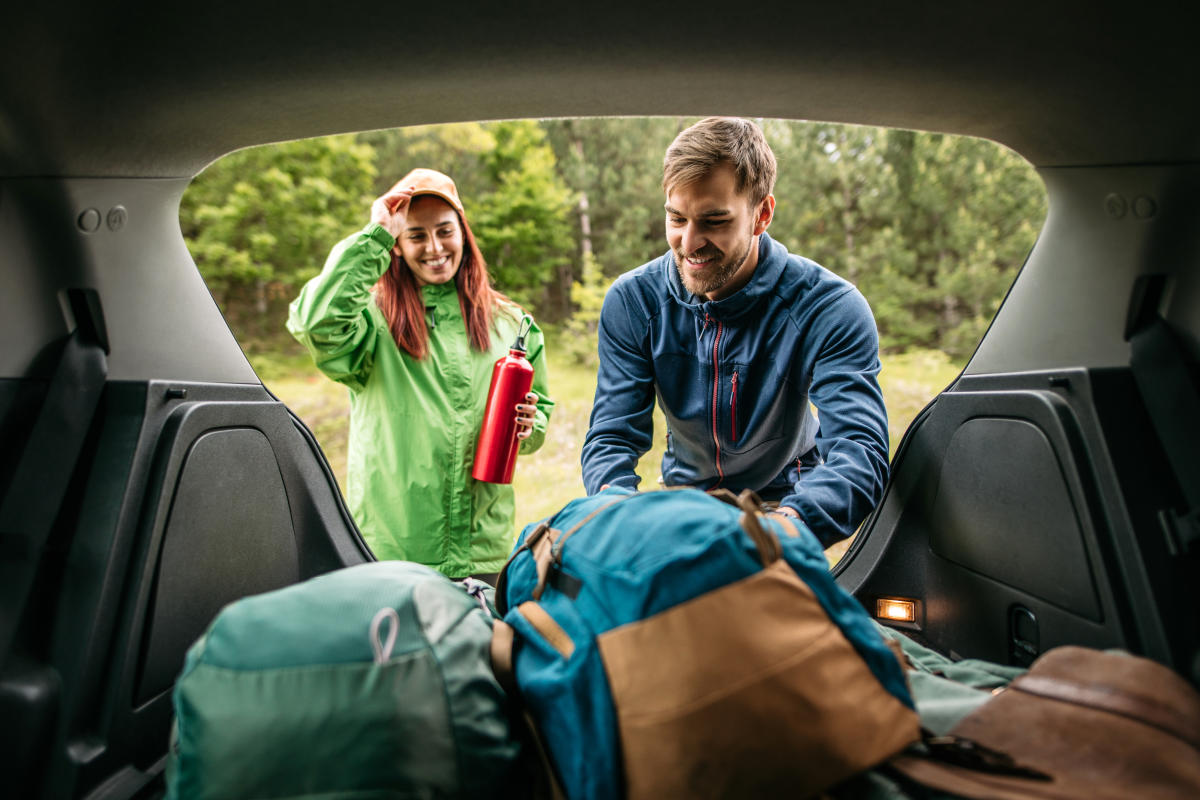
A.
pixel 697 151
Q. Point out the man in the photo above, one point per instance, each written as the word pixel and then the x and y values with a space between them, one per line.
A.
pixel 736 336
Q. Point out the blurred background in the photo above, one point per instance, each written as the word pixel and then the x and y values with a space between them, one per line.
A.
pixel 931 228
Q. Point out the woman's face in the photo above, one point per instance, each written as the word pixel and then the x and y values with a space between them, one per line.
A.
pixel 432 240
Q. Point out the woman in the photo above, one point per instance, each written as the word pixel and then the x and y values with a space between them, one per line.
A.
pixel 417 353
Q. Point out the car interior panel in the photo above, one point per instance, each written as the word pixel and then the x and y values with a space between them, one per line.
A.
pixel 1049 496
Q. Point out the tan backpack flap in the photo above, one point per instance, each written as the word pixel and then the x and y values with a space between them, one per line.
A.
pixel 1101 725
pixel 746 690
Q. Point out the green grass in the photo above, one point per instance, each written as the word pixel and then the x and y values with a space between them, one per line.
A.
pixel 909 381
pixel 546 480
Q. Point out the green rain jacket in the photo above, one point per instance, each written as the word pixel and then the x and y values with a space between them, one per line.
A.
pixel 414 424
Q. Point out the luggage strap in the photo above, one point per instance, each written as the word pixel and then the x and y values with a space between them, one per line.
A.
pixel 963 752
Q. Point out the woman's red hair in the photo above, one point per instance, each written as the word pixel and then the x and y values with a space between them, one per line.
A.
pixel 399 298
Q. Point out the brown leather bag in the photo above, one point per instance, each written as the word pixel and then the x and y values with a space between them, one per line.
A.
pixel 1080 725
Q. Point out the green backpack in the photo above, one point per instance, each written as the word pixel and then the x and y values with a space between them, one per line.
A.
pixel 372 681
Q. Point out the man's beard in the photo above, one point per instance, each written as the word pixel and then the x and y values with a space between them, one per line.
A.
pixel 716 274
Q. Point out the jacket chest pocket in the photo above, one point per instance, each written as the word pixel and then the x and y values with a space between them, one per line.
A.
pixel 753 405
pixel 733 407
pixel 737 386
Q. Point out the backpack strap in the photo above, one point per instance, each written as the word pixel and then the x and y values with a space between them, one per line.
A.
pixel 543 556
pixel 532 539
pixel 769 550
pixel 546 785
pixel 546 545
pixel 501 652
pixel 551 554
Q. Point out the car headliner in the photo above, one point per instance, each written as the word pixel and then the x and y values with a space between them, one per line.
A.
pixel 97 89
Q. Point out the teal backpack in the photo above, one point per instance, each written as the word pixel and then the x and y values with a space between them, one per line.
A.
pixel 372 681
pixel 683 644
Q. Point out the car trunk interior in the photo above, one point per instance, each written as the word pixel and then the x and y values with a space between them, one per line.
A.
pixel 147 477
pixel 1038 501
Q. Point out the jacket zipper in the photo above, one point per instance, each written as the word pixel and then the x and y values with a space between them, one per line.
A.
pixel 733 410
pixel 716 400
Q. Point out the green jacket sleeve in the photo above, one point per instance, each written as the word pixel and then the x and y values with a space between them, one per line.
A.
pixel 332 316
pixel 537 357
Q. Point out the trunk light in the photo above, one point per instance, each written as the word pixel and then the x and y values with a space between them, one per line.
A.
pixel 896 609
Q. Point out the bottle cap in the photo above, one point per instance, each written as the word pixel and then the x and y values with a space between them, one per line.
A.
pixel 523 329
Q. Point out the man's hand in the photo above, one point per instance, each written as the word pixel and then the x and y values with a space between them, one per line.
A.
pixel 786 511
pixel 390 211
pixel 526 414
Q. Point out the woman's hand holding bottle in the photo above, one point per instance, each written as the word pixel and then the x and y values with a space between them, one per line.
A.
pixel 526 414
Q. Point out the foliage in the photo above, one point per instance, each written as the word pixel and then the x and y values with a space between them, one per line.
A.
pixel 522 224
pixel 617 165
pixel 587 296
pixel 457 150
pixel 516 203
pixel 260 222
pixel 931 228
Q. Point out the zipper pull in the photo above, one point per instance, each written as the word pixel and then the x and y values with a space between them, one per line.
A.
pixel 733 408
pixel 476 589
pixel 970 754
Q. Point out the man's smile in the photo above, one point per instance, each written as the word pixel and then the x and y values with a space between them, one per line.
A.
pixel 700 260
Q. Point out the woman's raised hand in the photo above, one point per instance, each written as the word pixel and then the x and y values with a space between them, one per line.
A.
pixel 525 415
pixel 390 210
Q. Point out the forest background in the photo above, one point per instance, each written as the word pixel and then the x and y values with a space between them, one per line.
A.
pixel 931 228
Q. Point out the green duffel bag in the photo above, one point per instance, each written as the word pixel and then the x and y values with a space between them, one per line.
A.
pixel 372 681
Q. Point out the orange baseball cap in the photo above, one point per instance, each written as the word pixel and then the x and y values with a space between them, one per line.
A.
pixel 430 181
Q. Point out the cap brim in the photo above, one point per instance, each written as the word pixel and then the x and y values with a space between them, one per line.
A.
pixel 453 203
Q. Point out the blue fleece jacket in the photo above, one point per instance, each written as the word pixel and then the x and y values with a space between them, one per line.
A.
pixel 735 378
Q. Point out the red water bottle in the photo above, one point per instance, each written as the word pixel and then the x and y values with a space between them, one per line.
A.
pixel 512 378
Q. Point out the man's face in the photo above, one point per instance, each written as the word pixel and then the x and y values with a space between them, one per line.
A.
pixel 711 229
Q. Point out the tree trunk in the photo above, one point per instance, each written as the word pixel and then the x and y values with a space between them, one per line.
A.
pixel 585 222
pixel 848 215
pixel 561 299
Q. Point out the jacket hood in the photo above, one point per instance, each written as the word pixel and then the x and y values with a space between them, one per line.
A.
pixel 772 258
